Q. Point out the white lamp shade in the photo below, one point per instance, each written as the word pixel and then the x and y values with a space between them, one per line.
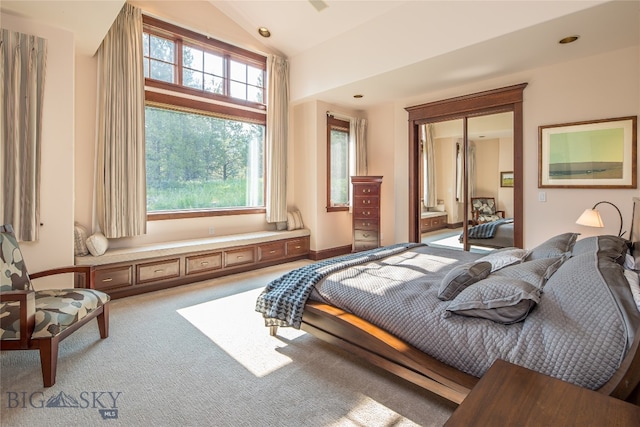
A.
pixel 590 218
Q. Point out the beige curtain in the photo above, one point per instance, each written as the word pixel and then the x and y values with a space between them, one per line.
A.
pixel 357 152
pixel 358 141
pixel 429 198
pixel 471 167
pixel 277 134
pixel 120 184
pixel 22 76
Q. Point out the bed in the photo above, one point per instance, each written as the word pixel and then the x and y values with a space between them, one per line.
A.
pixel 499 237
pixel 439 318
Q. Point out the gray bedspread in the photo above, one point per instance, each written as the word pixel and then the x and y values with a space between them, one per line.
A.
pixel 579 332
pixel 282 301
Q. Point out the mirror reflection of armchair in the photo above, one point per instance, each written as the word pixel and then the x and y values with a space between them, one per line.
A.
pixel 483 210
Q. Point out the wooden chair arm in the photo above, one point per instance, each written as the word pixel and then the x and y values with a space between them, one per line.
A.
pixel 86 271
pixel 27 302
pixel 7 296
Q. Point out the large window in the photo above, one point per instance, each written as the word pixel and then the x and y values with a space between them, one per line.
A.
pixel 204 123
pixel 337 164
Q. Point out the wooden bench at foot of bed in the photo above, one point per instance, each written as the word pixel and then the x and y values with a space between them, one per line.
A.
pixel 382 349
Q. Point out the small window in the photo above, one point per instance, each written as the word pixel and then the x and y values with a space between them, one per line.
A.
pixel 180 60
pixel 337 164
pixel 159 58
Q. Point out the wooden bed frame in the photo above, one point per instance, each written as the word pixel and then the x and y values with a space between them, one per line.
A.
pixel 384 350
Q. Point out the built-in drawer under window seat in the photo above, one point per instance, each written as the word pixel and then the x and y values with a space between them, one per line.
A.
pixel 129 271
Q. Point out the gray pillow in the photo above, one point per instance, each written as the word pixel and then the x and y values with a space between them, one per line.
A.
pixel 460 277
pixel 503 257
pixel 554 247
pixel 500 299
pixel 536 272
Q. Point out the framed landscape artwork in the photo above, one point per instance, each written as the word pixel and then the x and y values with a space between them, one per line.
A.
pixel 593 154
pixel 506 179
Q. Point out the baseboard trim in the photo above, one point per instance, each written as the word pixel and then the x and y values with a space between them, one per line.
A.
pixel 330 253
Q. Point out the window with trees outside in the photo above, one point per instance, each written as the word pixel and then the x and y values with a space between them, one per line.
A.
pixel 205 120
pixel 337 164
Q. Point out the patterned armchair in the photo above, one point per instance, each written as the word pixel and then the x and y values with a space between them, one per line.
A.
pixel 39 320
pixel 483 209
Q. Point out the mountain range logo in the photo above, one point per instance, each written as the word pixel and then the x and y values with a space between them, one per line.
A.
pixel 62 400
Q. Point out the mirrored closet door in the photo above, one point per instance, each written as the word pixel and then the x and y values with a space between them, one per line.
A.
pixel 465 167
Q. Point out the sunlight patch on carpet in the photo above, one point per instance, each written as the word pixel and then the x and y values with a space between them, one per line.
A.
pixel 234 325
pixel 370 413
pixel 453 242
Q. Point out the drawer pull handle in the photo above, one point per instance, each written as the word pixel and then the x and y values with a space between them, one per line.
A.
pixel 365 234
pixel 158 271
pixel 366 202
pixel 272 252
pixel 366 213
pixel 108 279
pixel 240 257
pixel 204 263
pixel 298 247
pixel 366 190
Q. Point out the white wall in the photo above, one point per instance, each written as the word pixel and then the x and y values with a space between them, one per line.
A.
pixel 55 246
pixel 597 87
pixel 309 144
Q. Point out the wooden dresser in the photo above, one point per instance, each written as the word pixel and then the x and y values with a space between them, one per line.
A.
pixel 366 212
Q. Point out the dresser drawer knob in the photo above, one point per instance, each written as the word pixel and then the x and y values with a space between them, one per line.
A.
pixel 108 279
pixel 366 190
pixel 272 252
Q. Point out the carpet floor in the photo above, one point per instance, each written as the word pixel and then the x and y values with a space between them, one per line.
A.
pixel 199 355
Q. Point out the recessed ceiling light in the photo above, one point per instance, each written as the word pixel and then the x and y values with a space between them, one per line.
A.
pixel 264 32
pixel 568 40
pixel 358 96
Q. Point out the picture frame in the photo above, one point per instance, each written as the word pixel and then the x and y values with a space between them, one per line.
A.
pixel 506 179
pixel 590 154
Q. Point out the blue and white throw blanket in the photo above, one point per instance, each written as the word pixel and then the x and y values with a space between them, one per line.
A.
pixel 486 230
pixel 282 301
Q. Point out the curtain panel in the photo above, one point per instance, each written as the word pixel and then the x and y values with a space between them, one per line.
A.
pixel 429 198
pixel 120 179
pixel 277 136
pixel 23 61
pixel 358 136
pixel 471 168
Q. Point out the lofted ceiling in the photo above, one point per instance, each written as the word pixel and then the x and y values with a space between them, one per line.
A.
pixel 388 49
pixel 88 20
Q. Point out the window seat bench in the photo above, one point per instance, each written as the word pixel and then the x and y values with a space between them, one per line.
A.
pixel 129 271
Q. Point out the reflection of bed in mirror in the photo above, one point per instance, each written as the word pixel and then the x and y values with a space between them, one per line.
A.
pixel 495 234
